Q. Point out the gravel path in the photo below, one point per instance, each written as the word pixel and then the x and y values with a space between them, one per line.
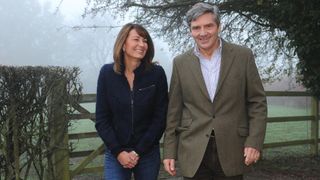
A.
pixel 282 168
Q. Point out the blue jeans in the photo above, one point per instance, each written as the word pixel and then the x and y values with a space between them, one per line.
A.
pixel 147 168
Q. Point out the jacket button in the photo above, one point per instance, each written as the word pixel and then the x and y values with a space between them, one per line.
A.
pixel 213 116
pixel 207 135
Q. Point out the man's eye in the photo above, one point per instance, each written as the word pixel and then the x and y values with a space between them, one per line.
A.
pixel 195 28
pixel 210 26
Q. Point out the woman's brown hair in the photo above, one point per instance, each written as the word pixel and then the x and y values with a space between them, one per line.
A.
pixel 118 54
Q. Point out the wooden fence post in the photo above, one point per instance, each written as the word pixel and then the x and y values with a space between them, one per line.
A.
pixel 59 133
pixel 315 127
pixel 62 159
pixel 16 149
pixel 14 155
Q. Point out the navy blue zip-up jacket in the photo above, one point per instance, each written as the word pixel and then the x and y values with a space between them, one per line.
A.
pixel 131 120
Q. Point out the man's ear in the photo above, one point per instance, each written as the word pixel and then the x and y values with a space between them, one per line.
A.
pixel 219 30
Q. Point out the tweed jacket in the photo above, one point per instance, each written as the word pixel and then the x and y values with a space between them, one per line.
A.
pixel 237 114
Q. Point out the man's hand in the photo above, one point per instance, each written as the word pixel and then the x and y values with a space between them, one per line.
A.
pixel 251 155
pixel 128 160
pixel 169 166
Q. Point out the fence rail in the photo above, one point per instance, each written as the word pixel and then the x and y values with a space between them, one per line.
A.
pixel 314 118
pixel 91 154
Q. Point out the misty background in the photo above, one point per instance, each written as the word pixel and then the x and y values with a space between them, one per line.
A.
pixel 55 33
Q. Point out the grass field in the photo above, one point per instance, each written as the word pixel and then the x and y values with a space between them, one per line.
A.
pixel 286 131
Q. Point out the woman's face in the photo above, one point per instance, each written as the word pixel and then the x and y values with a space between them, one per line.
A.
pixel 135 47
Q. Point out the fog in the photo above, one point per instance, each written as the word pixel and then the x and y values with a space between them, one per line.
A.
pixel 44 33
pixel 54 33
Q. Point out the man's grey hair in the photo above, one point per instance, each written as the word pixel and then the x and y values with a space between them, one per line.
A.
pixel 202 8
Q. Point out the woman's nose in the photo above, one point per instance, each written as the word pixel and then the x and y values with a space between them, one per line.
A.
pixel 142 42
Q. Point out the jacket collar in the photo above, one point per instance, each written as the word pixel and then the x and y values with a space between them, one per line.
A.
pixel 139 70
pixel 227 58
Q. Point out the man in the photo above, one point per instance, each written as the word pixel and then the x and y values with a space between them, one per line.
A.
pixel 216 119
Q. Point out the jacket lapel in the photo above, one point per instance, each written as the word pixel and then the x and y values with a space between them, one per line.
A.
pixel 227 58
pixel 194 66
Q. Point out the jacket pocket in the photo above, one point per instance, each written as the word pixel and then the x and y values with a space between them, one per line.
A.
pixel 147 88
pixel 243 131
pixel 185 124
pixel 181 129
pixel 145 95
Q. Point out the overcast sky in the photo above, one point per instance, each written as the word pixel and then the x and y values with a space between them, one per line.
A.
pixel 89 54
pixel 30 36
pixel 71 9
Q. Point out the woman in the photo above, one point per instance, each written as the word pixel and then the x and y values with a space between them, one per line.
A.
pixel 132 100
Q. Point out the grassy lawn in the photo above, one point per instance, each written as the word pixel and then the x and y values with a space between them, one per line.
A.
pixel 287 131
pixel 279 111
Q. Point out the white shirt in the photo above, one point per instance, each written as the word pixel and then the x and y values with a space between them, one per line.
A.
pixel 210 69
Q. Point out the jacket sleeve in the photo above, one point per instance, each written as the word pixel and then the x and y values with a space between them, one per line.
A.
pixel 173 116
pixel 104 115
pixel 257 106
pixel 155 131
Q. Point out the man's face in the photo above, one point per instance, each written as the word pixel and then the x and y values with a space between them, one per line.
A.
pixel 205 31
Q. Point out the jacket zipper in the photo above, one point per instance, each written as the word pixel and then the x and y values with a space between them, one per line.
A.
pixel 151 86
pixel 132 107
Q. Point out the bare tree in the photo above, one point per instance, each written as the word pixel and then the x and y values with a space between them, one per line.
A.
pixel 279 31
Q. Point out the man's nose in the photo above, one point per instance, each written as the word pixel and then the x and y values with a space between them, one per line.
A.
pixel 203 32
